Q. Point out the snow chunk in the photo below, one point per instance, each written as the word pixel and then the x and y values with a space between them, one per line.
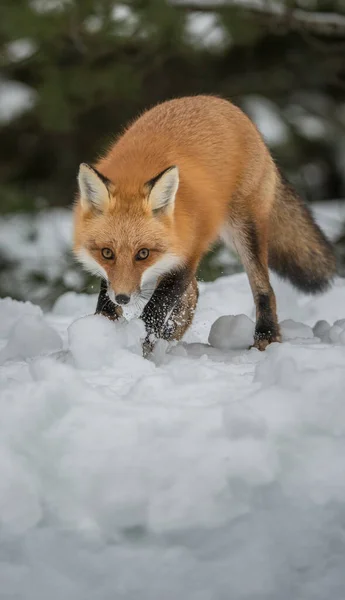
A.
pixel 71 303
pixel 93 340
pixel 232 332
pixel 321 330
pixel 15 98
pixel 12 310
pixel 30 336
pixel 334 334
pixel 292 330
pixel 340 323
pixel 337 332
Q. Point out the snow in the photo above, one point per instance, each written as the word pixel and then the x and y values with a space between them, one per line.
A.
pixel 205 30
pixel 331 219
pixel 316 22
pixel 30 336
pixel 232 332
pixel 127 20
pixel 15 99
pixel 122 12
pixel 36 254
pixel 207 472
pixel 93 340
pixel 267 118
pixel 292 330
pixel 45 6
pixel 40 238
pixel 21 49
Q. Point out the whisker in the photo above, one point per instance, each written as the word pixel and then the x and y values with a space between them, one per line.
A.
pixel 147 291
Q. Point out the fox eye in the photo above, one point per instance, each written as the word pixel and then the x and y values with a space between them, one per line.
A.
pixel 142 254
pixel 107 253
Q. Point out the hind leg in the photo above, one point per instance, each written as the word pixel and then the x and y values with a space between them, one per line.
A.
pixel 252 247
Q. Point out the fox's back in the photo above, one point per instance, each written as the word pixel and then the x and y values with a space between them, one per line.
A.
pixel 211 140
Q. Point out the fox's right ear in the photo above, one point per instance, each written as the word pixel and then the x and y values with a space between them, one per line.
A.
pixel 93 188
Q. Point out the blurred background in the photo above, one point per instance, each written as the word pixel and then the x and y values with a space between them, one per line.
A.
pixel 73 72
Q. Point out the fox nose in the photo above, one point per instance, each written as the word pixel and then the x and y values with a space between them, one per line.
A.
pixel 122 299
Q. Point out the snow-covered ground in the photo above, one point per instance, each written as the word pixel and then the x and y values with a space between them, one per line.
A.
pixel 206 473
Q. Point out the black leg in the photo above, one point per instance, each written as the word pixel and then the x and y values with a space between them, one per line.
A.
pixel 181 317
pixel 252 245
pixel 165 297
pixel 105 306
pixel 267 328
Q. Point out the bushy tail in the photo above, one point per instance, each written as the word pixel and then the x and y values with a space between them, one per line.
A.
pixel 298 249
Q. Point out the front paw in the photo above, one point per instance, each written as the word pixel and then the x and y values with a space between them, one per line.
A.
pixel 263 339
pixel 111 311
pixel 148 345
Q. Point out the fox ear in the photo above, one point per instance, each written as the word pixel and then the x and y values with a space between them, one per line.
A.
pixel 163 190
pixel 93 188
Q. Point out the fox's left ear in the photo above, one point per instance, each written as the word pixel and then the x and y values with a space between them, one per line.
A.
pixel 162 190
pixel 93 188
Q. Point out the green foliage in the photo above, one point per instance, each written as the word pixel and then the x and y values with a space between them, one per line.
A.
pixel 243 31
pixel 95 64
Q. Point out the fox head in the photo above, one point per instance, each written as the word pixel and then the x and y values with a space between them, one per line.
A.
pixel 126 235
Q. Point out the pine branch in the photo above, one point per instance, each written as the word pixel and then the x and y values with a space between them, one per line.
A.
pixel 274 13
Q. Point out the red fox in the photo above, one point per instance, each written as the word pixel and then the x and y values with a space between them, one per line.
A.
pixel 185 173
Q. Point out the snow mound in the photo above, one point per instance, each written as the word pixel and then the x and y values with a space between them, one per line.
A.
pixel 337 332
pixel 232 332
pixel 93 340
pixel 330 333
pixel 11 311
pixel 177 476
pixel 71 303
pixel 321 330
pixel 28 337
pixel 292 330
